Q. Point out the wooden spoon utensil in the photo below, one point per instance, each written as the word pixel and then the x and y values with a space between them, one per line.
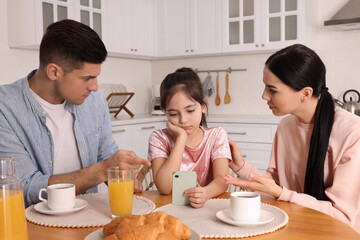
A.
pixel 217 99
pixel 227 95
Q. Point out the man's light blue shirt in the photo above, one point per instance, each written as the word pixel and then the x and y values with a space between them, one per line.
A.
pixel 25 136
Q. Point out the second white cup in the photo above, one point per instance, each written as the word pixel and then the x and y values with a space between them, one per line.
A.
pixel 245 206
pixel 60 197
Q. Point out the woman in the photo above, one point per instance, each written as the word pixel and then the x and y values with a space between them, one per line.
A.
pixel 315 159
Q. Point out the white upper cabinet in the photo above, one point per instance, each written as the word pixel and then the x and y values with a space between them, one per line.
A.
pixel 131 27
pixel 189 27
pixel 28 20
pixel 94 14
pixel 261 24
pixel 149 29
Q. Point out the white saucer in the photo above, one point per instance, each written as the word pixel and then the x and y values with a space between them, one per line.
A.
pixel 98 235
pixel 43 208
pixel 265 217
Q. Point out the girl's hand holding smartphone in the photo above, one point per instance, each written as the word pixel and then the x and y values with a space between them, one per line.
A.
pixel 181 181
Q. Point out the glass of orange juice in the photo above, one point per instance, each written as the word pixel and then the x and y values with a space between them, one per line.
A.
pixel 12 209
pixel 121 191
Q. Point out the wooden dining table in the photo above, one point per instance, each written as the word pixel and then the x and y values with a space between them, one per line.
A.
pixel 304 223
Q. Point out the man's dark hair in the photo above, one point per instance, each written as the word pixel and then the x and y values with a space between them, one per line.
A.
pixel 70 44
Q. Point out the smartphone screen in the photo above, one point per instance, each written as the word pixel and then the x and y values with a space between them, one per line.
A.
pixel 181 181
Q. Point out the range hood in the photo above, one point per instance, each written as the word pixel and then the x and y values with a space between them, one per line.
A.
pixel 347 18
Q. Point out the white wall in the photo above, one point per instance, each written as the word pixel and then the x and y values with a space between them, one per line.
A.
pixel 134 74
pixel 340 51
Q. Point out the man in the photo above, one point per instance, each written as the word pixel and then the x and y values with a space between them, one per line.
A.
pixel 55 123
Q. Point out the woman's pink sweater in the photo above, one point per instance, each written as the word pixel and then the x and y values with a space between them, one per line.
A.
pixel 341 170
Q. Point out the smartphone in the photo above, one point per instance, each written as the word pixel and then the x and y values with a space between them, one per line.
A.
pixel 181 181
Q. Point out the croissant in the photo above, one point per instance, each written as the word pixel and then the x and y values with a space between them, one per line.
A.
pixel 154 226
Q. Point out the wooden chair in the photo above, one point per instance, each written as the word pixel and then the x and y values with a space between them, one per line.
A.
pixel 117 109
pixel 146 178
pixel 233 188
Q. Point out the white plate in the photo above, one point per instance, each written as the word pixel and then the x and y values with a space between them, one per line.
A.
pixel 42 207
pixel 98 235
pixel 265 217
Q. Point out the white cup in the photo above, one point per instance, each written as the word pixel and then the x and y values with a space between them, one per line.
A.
pixel 60 197
pixel 245 206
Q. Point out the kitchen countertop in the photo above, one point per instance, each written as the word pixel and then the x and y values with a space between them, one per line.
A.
pixel 243 118
pixel 137 119
pixel 223 118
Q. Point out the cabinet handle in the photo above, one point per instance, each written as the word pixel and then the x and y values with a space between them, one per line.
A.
pixel 145 128
pixel 244 156
pixel 120 130
pixel 237 133
pixel 191 50
pixel 256 45
pixel 263 45
pixel 131 49
pixel 186 50
pixel 135 49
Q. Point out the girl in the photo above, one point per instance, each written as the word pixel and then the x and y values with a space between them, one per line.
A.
pixel 315 160
pixel 186 144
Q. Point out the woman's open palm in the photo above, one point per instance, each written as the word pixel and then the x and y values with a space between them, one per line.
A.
pixel 256 183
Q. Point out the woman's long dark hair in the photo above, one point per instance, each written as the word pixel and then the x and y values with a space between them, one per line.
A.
pixel 186 80
pixel 298 66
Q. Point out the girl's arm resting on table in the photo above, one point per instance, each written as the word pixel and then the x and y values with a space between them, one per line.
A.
pixel 217 186
pixel 163 168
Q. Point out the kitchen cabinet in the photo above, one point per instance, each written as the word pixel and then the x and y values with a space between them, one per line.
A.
pixel 134 135
pixel 253 139
pixel 94 14
pixel 189 27
pixel 250 25
pixel 132 27
pixel 123 136
pixel 28 20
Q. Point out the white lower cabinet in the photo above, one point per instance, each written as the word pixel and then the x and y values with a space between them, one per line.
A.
pixel 134 137
pixel 254 140
pixel 256 154
pixel 141 134
pixel 123 136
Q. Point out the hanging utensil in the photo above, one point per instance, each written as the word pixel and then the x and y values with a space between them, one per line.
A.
pixel 217 99
pixel 227 95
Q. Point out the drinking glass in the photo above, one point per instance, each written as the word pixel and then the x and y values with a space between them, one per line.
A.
pixel 121 191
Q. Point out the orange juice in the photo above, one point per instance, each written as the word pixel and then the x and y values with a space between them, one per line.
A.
pixel 121 193
pixel 12 215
